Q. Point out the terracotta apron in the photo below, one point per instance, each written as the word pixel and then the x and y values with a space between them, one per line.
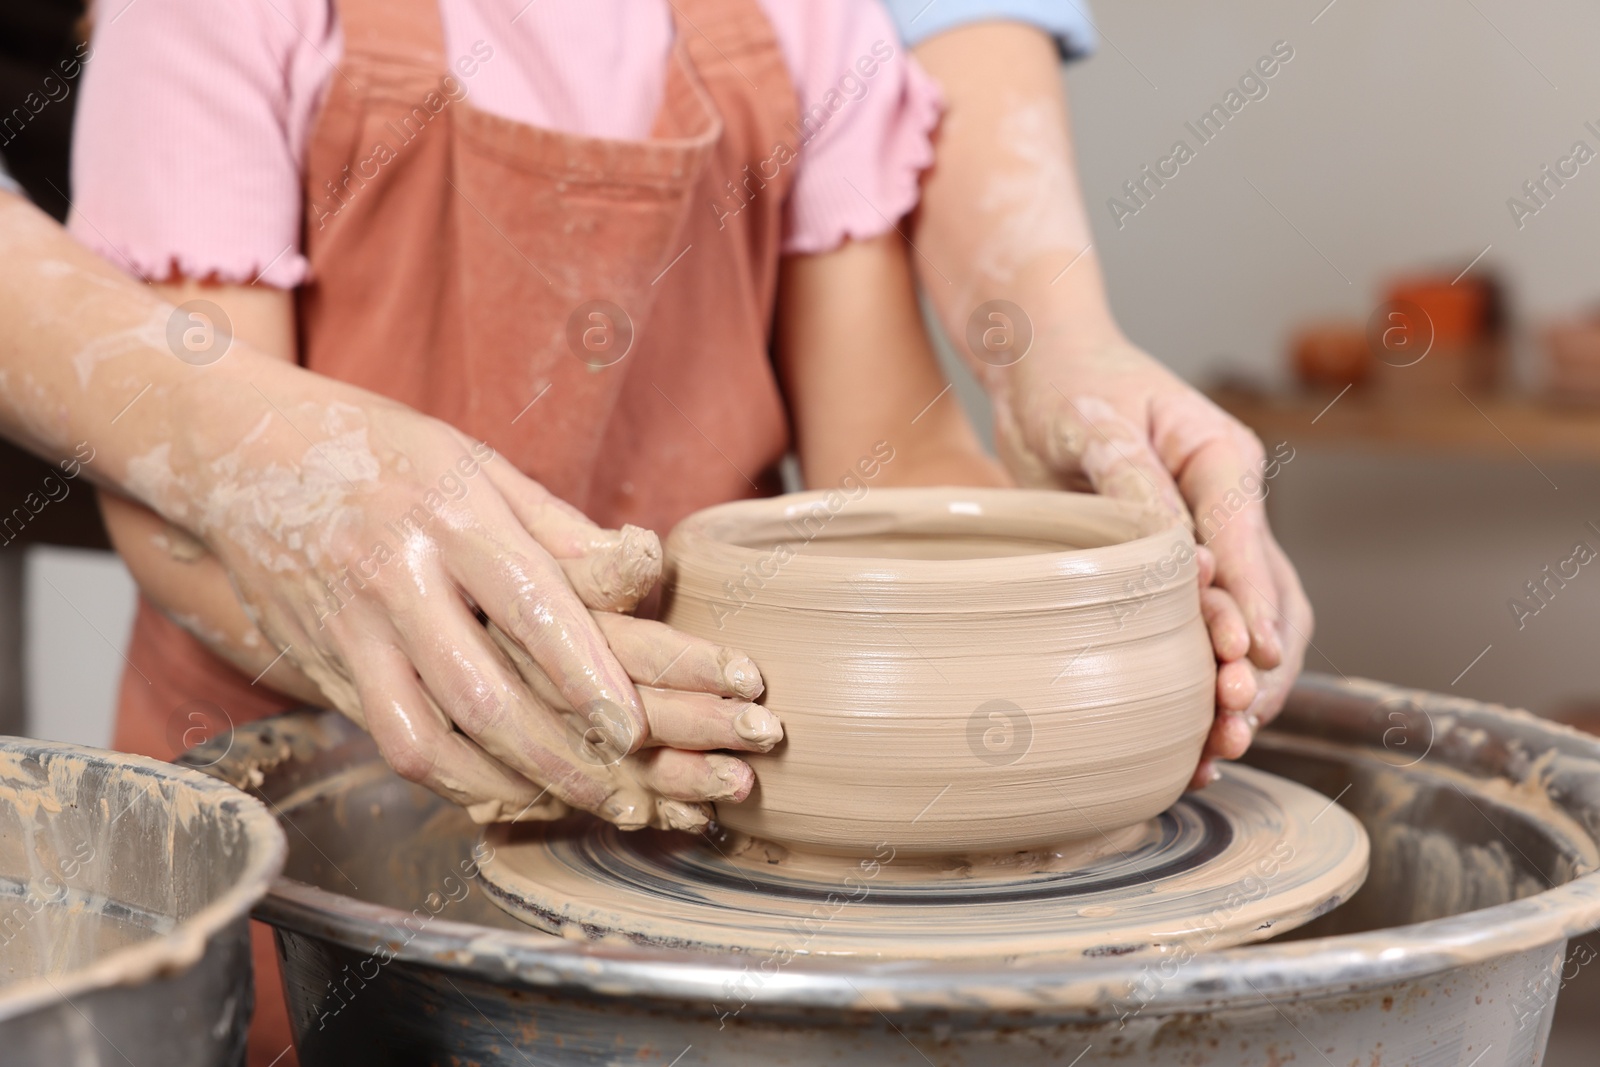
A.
pixel 457 260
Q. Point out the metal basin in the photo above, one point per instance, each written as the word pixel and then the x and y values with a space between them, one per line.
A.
pixel 125 890
pixel 1485 827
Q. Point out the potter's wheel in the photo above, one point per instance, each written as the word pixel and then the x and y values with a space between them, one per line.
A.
pixel 1249 857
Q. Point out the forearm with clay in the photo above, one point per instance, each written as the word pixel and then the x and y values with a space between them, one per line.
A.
pixel 1002 218
pixel 287 479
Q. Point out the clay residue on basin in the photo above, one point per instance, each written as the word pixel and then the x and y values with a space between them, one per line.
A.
pixel 1446 842
pixel 116 868
pixel 47 928
pixel 72 890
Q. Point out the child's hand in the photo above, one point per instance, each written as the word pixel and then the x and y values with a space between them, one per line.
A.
pixel 367 542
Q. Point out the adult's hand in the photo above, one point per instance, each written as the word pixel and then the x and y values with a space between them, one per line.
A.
pixel 1116 421
pixel 364 540
pixel 370 545
pixel 1002 219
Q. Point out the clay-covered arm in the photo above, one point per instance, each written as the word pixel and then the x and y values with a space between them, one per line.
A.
pixel 173 569
pixel 864 389
pixel 85 374
pixel 362 539
pixel 1002 218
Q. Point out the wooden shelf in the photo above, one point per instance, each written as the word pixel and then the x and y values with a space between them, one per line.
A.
pixel 1488 427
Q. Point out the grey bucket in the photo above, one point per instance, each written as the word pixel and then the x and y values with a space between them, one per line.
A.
pixel 125 891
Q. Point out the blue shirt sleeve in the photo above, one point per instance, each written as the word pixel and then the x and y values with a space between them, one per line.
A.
pixel 8 183
pixel 1066 20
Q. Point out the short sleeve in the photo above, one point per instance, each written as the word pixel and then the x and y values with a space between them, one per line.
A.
pixel 1067 21
pixel 867 115
pixel 191 132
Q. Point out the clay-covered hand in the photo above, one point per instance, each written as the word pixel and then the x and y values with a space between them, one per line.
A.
pixel 370 544
pixel 1116 421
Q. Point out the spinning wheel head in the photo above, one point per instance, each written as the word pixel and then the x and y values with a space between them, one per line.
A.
pixel 1250 857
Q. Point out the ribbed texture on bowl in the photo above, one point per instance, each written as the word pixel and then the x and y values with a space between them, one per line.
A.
pixel 955 706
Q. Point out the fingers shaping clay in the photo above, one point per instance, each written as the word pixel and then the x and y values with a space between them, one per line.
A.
pixel 956 671
pixel 990 701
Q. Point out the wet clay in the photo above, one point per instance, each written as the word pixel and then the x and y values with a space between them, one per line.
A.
pixel 1248 858
pixel 957 671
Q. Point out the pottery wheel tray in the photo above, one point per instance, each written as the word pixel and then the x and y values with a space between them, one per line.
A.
pixel 1249 857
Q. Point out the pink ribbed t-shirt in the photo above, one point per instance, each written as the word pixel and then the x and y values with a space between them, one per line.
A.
pixel 195 114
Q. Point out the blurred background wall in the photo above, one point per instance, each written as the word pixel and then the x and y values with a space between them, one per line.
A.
pixel 1391 141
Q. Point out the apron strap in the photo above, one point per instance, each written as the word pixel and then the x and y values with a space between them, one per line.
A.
pixel 404 31
pixel 735 53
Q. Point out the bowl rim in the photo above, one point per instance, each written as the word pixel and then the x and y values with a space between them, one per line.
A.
pixel 696 545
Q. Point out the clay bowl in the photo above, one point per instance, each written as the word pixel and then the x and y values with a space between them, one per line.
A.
pixel 958 671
